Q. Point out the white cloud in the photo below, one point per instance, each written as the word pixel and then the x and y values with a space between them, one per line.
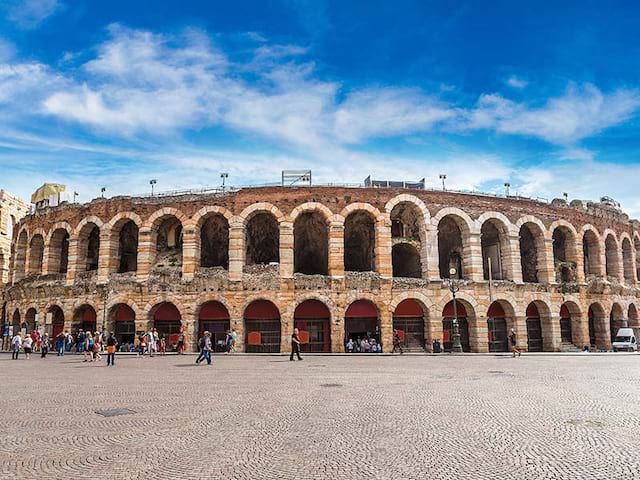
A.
pixel 29 14
pixel 515 82
pixel 581 112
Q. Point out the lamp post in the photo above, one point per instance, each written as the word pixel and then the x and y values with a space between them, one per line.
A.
pixel 506 189
pixel 102 190
pixel 152 183
pixel 443 177
pixel 454 287
pixel 223 176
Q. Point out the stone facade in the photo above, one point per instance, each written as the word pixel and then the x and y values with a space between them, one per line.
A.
pixel 580 259
pixel 12 209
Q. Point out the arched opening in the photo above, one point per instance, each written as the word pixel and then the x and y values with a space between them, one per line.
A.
pixel 531 249
pixel 497 328
pixel 168 322
pixel 128 247
pixel 11 224
pixel 359 242
pixel 214 317
pixel 636 244
pixel 564 254
pixel 16 321
pixel 597 326
pixel 262 237
pixel 20 259
pixel 30 319
pixel 450 247
pixel 361 322
pixel 406 261
pixel 611 257
pixel 122 319
pixel 566 329
pixel 409 321
pixel 168 240
pixel 59 251
pixel 88 248
pixel 632 316
pixel 214 242
pixel 534 329
pixel 616 320
pixel 311 244
pixel 262 327
pixel 495 247
pixel 627 260
pixel 57 321
pixel 84 318
pixel 448 316
pixel 36 254
pixel 313 319
pixel 591 252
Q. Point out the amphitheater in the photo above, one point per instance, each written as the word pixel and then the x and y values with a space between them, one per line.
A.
pixel 335 262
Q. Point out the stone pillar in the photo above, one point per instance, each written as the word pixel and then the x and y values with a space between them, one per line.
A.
pixel 190 260
pixel 384 264
pixel 337 330
pixel 286 249
pixel 286 330
pixel 72 266
pixel 433 253
pixel 47 258
pixel 514 266
pixel 238 324
pixel 546 267
pixel 579 262
pixel 479 334
pixel 146 253
pixel 580 329
pixel 551 338
pixel 336 249
pixel 472 258
pixel 105 254
pixel 603 333
pixel 236 249
pixel 519 324
pixel 432 330
pixel 386 329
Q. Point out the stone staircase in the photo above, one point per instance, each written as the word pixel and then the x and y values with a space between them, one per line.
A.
pixel 569 348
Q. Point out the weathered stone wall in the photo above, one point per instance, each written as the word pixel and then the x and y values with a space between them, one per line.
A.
pixel 187 285
pixel 12 209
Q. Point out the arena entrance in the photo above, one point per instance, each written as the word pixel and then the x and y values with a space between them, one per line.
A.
pixel 566 332
pixel 408 321
pixel 124 324
pixel 361 321
pixel 534 329
pixel 262 327
pixel 448 315
pixel 168 322
pixel 313 319
pixel 214 318
pixel 84 318
pixel 57 321
pixel 497 325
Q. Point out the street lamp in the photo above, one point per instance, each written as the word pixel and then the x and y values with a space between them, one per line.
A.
pixel 223 176
pixel 102 190
pixel 506 188
pixel 75 195
pixel 454 287
pixel 443 177
pixel 152 183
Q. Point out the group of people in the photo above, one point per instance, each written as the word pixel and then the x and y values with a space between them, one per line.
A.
pixel 205 345
pixel 366 344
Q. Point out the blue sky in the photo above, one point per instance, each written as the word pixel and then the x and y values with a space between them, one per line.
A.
pixel 115 93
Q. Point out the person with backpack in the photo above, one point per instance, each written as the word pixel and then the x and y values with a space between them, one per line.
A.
pixel 60 342
pixel 88 348
pixel 16 345
pixel 201 343
pixel 111 350
pixel 206 349
pixel 81 339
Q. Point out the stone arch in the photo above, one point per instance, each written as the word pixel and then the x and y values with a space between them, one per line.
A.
pixel 360 239
pixel 495 230
pixel 539 326
pixel 362 317
pixel 464 312
pixel 167 318
pixel 627 259
pixel 598 326
pixel 611 252
pixel 85 317
pixel 411 321
pixel 405 260
pixel 409 222
pixel 311 241
pixel 565 258
pixel 571 323
pixel 531 235
pixel 121 321
pixel 632 316
pixel 213 316
pixel 636 251
pixel 87 236
pixel 500 320
pixel 261 235
pixel 423 299
pixel 312 317
pixel 367 207
pixel 407 198
pixel 454 237
pixel 591 251
pixel 263 326
pixel 616 320
pixel 36 253
pixel 167 226
pixel 20 255
pixel 318 207
pixel 124 238
pixel 58 248
pixel 212 239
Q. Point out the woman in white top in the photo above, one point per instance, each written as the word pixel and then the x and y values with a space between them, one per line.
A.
pixel 16 345
pixel 27 345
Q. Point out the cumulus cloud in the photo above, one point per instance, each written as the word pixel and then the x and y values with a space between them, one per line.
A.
pixel 516 82
pixel 29 14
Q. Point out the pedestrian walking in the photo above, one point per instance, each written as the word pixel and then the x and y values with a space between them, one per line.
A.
pixel 87 348
pixel 151 342
pixel 16 345
pixel 97 348
pixel 27 346
pixel 201 348
pixel 162 345
pixel 180 345
pixel 60 341
pixel 81 342
pixel 44 346
pixel 228 342
pixel 514 343
pixel 206 349
pixel 397 342
pixel 295 344
pixel 111 350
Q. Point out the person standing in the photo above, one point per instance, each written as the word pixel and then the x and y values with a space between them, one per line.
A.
pixel 44 346
pixel 81 342
pixel 162 345
pixel 111 350
pixel 87 348
pixel 60 341
pixel 397 343
pixel 27 346
pixel 234 339
pixel 514 343
pixel 151 342
pixel 180 345
pixel 97 348
pixel 16 345
pixel 207 347
pixel 295 345
pixel 201 343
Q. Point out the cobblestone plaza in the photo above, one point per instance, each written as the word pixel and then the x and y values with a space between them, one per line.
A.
pixel 338 417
